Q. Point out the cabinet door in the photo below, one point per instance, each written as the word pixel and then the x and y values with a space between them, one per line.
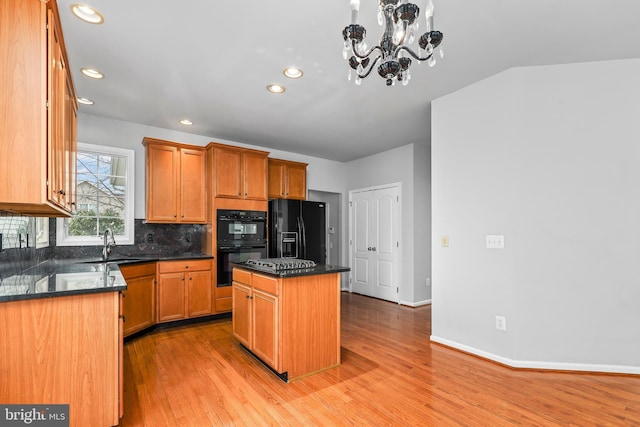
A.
pixel 55 115
pixel 138 302
pixel 255 176
pixel 71 146
pixel 228 175
pixel 265 327
pixel 193 199
pixel 171 297
pixel 241 318
pixel 199 293
pixel 163 163
pixel 276 180
pixel 296 182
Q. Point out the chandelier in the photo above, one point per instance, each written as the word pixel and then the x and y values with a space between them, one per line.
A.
pixel 400 20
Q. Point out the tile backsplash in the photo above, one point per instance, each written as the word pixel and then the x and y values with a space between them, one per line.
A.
pixel 19 235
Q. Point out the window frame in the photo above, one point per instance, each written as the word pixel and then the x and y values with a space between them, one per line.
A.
pixel 62 239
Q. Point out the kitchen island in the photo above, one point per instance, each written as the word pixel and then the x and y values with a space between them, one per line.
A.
pixel 289 319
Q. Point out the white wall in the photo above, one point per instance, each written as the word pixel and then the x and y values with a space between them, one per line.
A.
pixel 395 166
pixel 547 157
pixel 422 223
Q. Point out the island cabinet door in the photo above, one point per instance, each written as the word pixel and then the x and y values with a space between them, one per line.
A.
pixel 265 328
pixel 242 314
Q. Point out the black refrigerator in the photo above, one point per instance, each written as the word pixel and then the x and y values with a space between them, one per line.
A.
pixel 297 229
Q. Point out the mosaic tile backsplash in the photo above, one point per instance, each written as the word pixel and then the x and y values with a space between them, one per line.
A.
pixel 18 249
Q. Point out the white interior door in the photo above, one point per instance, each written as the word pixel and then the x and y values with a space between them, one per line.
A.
pixel 375 219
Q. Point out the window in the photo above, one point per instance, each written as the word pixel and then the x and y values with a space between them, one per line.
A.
pixel 104 198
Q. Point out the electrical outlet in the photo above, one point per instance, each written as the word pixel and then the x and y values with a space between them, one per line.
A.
pixel 444 241
pixel 150 237
pixel 501 323
pixel 427 282
pixel 494 241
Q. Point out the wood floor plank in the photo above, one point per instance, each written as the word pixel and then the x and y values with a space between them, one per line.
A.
pixel 391 375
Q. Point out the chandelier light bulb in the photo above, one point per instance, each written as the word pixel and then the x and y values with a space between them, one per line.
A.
pixel 355 8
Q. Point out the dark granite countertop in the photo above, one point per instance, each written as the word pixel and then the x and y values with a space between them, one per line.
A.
pixel 318 269
pixel 60 277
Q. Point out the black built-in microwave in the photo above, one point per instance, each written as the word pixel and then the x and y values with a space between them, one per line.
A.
pixel 237 227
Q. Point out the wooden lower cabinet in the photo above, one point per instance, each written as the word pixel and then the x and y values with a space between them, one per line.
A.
pixel 291 324
pixel 185 289
pixel 139 299
pixel 66 349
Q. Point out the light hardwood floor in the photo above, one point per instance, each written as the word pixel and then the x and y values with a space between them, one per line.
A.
pixel 391 375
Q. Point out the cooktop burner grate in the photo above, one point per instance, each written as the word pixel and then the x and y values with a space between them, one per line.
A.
pixel 281 264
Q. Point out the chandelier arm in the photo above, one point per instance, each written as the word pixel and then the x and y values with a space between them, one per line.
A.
pixel 411 52
pixel 355 51
pixel 370 68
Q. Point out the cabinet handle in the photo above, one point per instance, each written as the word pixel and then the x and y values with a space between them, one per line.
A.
pixel 124 319
pixel 186 266
pixel 183 279
pixel 62 192
pixel 190 278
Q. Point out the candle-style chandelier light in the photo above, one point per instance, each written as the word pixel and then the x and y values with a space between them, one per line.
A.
pixel 393 52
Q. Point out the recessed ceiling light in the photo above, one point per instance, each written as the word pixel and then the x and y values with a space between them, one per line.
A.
pixel 275 88
pixel 85 101
pixel 90 72
pixel 87 14
pixel 186 122
pixel 292 72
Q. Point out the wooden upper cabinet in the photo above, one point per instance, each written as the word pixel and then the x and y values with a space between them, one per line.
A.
pixel 228 173
pixel 193 185
pixel 238 173
pixel 39 107
pixel 176 182
pixel 287 179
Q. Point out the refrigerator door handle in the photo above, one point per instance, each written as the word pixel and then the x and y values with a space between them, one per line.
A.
pixel 303 238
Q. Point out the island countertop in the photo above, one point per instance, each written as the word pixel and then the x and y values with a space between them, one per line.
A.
pixel 318 269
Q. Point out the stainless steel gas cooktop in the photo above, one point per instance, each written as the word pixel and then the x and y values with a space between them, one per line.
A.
pixel 281 264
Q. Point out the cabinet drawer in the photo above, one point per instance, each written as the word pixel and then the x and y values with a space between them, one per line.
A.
pixel 138 270
pixel 184 265
pixel 264 283
pixel 241 276
pixel 223 304
pixel 224 291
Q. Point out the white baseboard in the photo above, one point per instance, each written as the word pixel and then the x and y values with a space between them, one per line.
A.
pixel 415 304
pixel 529 364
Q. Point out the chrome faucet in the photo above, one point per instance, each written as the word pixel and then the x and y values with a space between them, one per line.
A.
pixel 109 242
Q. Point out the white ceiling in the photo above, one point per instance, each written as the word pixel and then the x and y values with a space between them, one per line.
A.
pixel 210 61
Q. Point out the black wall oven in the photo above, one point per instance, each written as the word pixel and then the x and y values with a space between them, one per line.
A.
pixel 241 235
